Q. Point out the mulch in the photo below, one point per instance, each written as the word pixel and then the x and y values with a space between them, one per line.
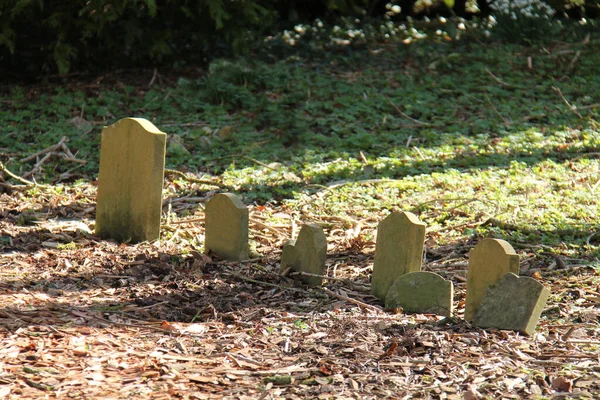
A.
pixel 82 317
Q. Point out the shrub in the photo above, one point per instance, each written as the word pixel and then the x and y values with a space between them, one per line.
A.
pixel 525 21
pixel 38 35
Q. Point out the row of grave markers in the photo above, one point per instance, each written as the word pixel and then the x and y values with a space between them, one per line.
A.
pixel 129 204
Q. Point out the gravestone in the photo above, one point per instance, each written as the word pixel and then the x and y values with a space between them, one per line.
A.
pixel 489 261
pixel 132 164
pixel 306 254
pixel 399 250
pixel 226 227
pixel 514 303
pixel 421 292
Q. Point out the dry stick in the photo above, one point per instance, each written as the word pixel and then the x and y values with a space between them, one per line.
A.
pixel 572 108
pixel 238 276
pixel 331 278
pixel 262 164
pixel 416 121
pixel 70 156
pixel 498 80
pixel 104 321
pixel 353 301
pixel 194 180
pixel 270 228
pixel 46 150
pixel 506 122
pixel 37 166
pixel 16 177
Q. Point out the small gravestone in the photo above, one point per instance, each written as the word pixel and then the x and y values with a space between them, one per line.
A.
pixel 226 227
pixel 489 261
pixel 421 292
pixel 132 164
pixel 514 303
pixel 399 250
pixel 306 254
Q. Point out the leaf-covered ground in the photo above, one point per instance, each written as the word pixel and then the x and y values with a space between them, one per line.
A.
pixel 478 139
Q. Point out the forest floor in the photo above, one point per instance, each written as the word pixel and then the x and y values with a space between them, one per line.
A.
pixel 478 141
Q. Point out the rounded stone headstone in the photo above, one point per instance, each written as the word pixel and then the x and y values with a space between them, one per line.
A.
pixel 132 164
pixel 226 227
pixel 399 250
pixel 307 254
pixel 489 261
pixel 514 303
pixel 421 292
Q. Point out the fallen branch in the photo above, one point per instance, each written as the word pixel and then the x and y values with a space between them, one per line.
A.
pixel 506 122
pixel 571 107
pixel 16 177
pixel 353 301
pixel 331 278
pixel 416 121
pixel 498 80
pixel 37 165
pixel 46 150
pixel 193 179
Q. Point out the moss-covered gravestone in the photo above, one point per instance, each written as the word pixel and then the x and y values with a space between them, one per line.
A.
pixel 489 261
pixel 132 164
pixel 421 292
pixel 226 227
pixel 399 250
pixel 307 254
pixel 512 303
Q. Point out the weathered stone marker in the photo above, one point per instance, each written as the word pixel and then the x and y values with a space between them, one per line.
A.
pixel 226 227
pixel 132 165
pixel 421 292
pixel 306 254
pixel 399 250
pixel 512 303
pixel 489 261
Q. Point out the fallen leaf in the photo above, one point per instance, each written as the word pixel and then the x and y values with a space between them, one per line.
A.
pixel 561 384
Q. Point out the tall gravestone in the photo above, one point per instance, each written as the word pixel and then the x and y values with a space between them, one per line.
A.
pixel 307 254
pixel 130 182
pixel 421 292
pixel 514 303
pixel 226 227
pixel 489 261
pixel 399 250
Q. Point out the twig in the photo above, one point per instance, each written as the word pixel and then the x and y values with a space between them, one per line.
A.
pixel 46 150
pixel 586 40
pixel 238 276
pixel 270 228
pixel 70 156
pixel 419 153
pixel 262 164
pixel 193 179
pixel 331 278
pixel 353 301
pixel 572 108
pixel 416 121
pixel 37 165
pixel 506 122
pixel 498 80
pixel 589 238
pixel 16 177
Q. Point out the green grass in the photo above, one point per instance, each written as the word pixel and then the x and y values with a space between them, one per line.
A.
pixel 459 132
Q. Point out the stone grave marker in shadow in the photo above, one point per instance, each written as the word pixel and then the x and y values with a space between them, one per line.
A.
pixel 226 227
pixel 421 292
pixel 130 182
pixel 306 254
pixel 514 303
pixel 399 250
pixel 489 261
